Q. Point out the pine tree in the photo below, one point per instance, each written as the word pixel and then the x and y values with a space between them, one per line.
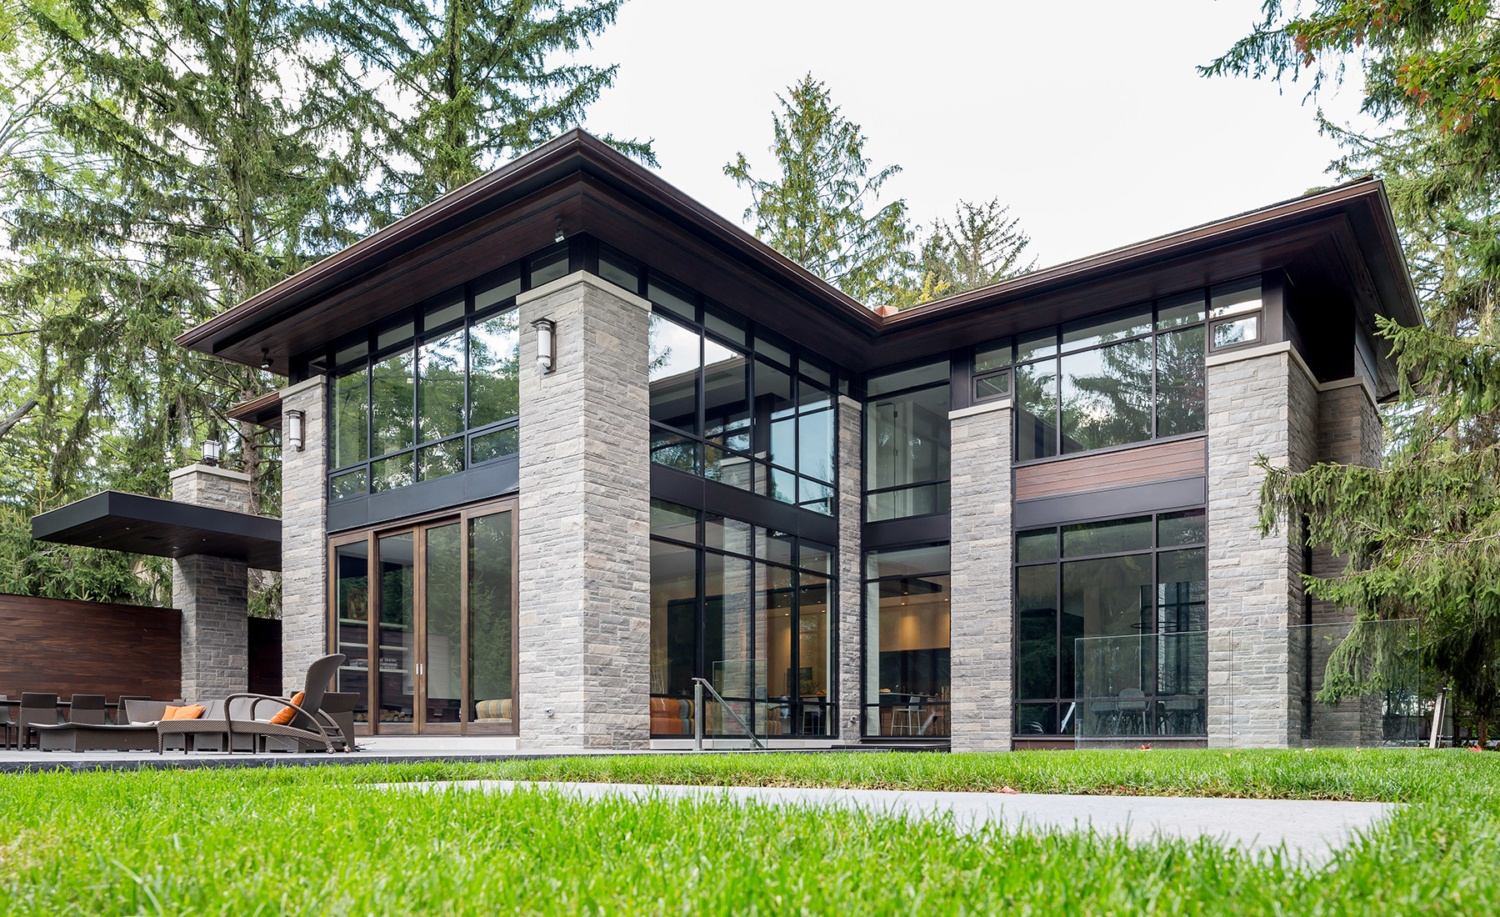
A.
pixel 982 246
pixel 815 211
pixel 1421 535
pixel 450 89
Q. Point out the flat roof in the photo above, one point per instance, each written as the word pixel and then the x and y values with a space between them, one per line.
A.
pixel 119 521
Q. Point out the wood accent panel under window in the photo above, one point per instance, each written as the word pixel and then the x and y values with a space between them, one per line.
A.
pixel 67 647
pixel 1157 462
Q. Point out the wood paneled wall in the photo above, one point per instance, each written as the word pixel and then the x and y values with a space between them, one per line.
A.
pixel 68 648
pixel 1159 462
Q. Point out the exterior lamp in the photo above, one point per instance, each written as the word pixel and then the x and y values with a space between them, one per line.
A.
pixel 295 434
pixel 546 337
pixel 211 451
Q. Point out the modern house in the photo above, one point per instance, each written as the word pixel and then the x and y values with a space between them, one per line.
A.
pixel 564 440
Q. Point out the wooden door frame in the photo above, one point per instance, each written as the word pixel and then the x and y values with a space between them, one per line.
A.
pixel 418 526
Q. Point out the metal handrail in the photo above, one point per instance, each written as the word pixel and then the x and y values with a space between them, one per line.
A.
pixel 698 685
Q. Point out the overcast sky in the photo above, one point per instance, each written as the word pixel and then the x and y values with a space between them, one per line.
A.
pixel 1087 118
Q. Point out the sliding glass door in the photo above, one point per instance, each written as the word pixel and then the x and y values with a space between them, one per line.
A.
pixel 426 614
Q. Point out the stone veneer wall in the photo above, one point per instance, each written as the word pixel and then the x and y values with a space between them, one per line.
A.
pixel 1349 432
pixel 1260 402
pixel 212 592
pixel 850 571
pixel 585 516
pixel 304 541
pixel 983 632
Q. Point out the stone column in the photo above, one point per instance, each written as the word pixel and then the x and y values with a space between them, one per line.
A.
pixel 212 592
pixel 850 571
pixel 304 541
pixel 1349 432
pixel 585 516
pixel 1261 401
pixel 983 628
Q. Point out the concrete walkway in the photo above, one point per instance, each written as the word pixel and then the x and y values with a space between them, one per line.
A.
pixel 1310 830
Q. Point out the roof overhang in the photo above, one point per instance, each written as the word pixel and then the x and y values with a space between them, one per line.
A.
pixel 1343 237
pixel 162 528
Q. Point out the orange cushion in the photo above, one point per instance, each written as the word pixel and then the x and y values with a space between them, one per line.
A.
pixel 285 716
pixel 190 712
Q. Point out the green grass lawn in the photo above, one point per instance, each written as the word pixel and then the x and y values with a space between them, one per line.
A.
pixel 326 841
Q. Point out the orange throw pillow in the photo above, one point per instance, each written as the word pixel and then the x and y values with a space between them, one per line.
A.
pixel 285 716
pixel 191 712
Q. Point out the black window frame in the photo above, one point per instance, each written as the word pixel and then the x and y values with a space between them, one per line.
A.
pixel 1065 693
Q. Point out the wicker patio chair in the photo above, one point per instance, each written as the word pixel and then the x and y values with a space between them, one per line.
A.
pixel 310 728
pixel 8 726
pixel 87 709
pixel 120 716
pixel 36 709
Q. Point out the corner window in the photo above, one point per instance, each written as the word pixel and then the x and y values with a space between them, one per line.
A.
pixel 731 406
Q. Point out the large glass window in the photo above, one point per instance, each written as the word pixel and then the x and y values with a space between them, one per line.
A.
pixel 1141 580
pixel 735 408
pixel 426 617
pixel 750 610
pixel 907 639
pixel 906 443
pixel 441 393
pixel 1128 376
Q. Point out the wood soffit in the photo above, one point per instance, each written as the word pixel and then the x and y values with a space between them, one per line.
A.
pixel 1343 238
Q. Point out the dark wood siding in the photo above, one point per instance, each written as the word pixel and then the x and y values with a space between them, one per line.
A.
pixel 68 647
pixel 1159 462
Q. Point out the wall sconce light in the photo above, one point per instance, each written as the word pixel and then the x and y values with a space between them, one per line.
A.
pixel 295 431
pixel 211 451
pixel 265 358
pixel 546 343
pixel 559 235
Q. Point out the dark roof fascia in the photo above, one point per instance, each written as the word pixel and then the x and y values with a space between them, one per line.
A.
pixel 264 411
pixel 1363 193
pixel 573 152
pixel 577 152
pixel 162 528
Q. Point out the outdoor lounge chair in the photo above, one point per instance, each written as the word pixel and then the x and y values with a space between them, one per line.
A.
pixel 310 728
pixel 209 732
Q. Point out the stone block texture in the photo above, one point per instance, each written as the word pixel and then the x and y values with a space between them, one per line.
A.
pixel 1349 432
pixel 850 642
pixel 983 633
pixel 212 593
pixel 1264 404
pixel 585 561
pixel 304 537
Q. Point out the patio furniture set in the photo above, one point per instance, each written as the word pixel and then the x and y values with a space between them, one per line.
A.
pixel 314 719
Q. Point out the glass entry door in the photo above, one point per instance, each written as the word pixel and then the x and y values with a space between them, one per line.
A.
pixel 425 614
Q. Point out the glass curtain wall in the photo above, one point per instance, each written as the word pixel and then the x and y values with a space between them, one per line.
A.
pixel 431 392
pixel 1129 376
pixel 907 443
pixel 907 640
pixel 735 407
pixel 1142 577
pixel 747 608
